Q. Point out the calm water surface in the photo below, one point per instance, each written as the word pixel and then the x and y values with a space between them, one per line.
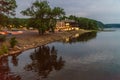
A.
pixel 91 56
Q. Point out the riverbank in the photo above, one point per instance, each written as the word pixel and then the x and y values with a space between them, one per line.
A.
pixel 31 39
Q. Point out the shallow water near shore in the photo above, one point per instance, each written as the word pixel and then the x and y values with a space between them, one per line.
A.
pixel 91 56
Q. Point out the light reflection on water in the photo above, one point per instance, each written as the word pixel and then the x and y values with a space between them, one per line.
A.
pixel 92 56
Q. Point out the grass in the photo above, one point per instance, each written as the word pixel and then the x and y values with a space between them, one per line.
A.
pixel 3 50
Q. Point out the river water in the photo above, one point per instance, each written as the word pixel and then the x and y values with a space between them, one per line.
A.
pixel 91 56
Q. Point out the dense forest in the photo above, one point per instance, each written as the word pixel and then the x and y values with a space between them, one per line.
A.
pixel 17 22
pixel 86 23
pixel 112 26
pixel 90 24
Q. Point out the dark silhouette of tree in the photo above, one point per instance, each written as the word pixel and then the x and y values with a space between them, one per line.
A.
pixel 45 60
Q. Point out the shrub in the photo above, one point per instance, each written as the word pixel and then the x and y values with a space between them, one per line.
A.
pixel 4 49
pixel 2 38
pixel 13 42
pixel 1 52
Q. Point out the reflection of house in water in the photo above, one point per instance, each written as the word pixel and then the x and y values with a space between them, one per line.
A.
pixel 65 25
pixel 81 38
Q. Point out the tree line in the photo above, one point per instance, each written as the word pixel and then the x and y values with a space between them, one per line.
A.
pixel 112 26
pixel 86 23
pixel 42 16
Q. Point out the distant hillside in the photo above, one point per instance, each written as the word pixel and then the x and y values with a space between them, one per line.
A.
pixel 112 26
pixel 89 24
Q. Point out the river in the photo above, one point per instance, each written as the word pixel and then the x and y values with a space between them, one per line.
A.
pixel 91 56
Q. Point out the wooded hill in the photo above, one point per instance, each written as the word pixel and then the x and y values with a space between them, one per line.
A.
pixel 84 23
pixel 112 26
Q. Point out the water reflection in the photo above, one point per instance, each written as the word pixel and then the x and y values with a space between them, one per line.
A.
pixel 98 59
pixel 14 60
pixel 38 62
pixel 81 38
pixel 5 72
pixel 45 60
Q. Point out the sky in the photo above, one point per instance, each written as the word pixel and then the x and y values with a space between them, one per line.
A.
pixel 106 11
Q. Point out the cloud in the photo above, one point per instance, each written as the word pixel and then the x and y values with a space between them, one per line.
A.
pixel 22 5
pixel 106 11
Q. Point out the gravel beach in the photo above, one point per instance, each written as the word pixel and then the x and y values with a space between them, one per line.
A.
pixel 31 39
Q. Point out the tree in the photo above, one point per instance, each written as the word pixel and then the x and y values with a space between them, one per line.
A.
pixel 38 13
pixel 3 20
pixel 86 23
pixel 55 13
pixel 7 7
pixel 72 17
pixel 42 16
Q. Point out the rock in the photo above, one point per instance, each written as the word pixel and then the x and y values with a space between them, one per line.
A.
pixel 17 47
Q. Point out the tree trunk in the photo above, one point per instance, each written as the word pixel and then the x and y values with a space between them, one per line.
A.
pixel 41 32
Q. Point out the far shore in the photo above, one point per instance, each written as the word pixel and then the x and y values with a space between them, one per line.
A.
pixel 31 39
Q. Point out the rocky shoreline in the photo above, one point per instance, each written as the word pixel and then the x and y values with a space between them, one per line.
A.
pixel 29 41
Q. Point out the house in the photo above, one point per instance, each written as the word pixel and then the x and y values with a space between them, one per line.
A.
pixel 65 25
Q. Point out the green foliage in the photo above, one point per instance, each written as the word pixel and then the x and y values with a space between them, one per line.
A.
pixel 1 52
pixel 72 17
pixel 38 13
pixel 13 42
pixel 101 25
pixel 112 26
pixel 2 38
pixel 43 17
pixel 7 7
pixel 17 22
pixel 86 23
pixel 54 14
pixel 3 20
pixel 4 49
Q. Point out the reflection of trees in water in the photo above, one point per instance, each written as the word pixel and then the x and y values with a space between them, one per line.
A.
pixel 14 59
pixel 83 37
pixel 5 73
pixel 45 60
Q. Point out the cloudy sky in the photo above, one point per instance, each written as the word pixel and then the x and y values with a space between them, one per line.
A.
pixel 107 11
